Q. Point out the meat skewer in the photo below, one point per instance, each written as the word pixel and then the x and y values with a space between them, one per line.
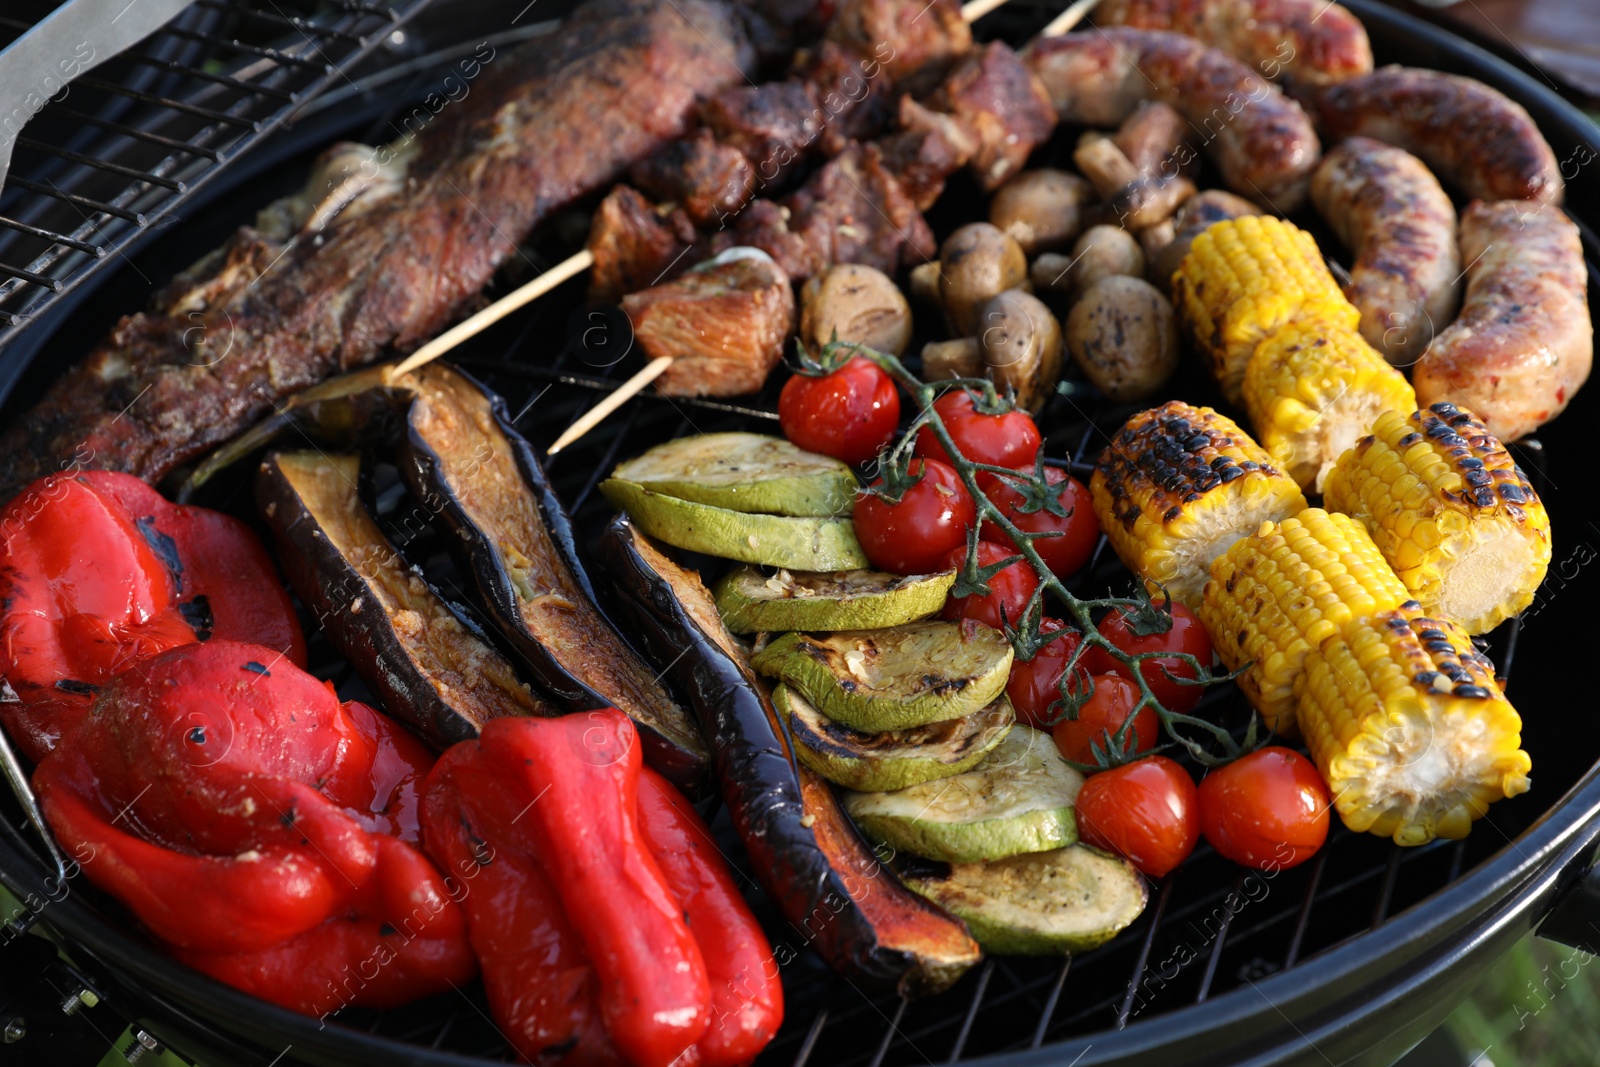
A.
pixel 585 259
pixel 655 368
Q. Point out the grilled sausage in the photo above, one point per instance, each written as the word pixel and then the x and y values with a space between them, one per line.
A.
pixel 1523 343
pixel 1473 137
pixel 1306 42
pixel 1263 142
pixel 1390 213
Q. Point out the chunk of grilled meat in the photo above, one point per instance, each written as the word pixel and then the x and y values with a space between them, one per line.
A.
pixel 634 243
pixel 1004 105
pixel 723 324
pixel 928 148
pixel 854 210
pixel 708 179
pixel 561 116
pixel 773 125
pixel 852 93
pixel 915 41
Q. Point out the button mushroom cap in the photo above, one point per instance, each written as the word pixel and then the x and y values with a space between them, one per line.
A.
pixel 1123 334
pixel 976 262
pixel 1041 209
pixel 1103 251
pixel 1020 341
pixel 851 302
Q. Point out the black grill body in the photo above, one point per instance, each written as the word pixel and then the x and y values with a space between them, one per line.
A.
pixel 1349 959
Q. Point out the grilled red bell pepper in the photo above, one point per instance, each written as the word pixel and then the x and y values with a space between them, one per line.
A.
pixel 98 571
pixel 605 923
pixel 228 799
pixel 746 995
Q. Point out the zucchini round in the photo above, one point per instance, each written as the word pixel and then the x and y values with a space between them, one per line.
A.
pixel 806 544
pixel 896 678
pixel 750 601
pixel 892 760
pixel 1017 799
pixel 744 472
pixel 1041 903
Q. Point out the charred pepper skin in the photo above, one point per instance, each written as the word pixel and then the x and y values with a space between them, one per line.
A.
pixel 227 799
pixel 97 572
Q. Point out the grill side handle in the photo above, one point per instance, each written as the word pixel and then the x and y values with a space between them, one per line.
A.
pixel 1574 921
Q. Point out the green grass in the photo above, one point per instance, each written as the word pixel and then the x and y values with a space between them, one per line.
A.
pixel 1538 1007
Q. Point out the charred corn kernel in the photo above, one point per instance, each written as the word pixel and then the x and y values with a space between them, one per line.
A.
pixel 1454 516
pixel 1177 486
pixel 1279 593
pixel 1409 727
pixel 1312 389
pixel 1242 280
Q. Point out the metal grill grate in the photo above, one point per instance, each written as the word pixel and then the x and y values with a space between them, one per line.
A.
pixel 110 157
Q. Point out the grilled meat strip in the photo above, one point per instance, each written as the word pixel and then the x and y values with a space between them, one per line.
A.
pixel 263 317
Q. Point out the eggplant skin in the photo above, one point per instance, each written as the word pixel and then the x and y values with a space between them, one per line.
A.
pixel 580 658
pixel 351 610
pixel 831 886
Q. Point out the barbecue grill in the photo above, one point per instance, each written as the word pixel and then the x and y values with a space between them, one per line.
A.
pixel 1351 958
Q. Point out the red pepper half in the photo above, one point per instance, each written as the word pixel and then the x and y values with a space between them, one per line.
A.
pixel 746 995
pixel 242 814
pixel 631 938
pixel 97 572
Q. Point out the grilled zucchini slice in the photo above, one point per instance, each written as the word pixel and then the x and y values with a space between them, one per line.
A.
pixel 1040 903
pixel 799 543
pixel 893 679
pixel 895 759
pixel 751 601
pixel 744 472
pixel 1017 799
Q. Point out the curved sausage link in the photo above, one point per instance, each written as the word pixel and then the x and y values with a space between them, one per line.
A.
pixel 1262 141
pixel 1523 343
pixel 1390 212
pixel 1473 137
pixel 1309 43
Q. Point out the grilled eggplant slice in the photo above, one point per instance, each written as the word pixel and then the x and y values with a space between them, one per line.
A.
pixel 744 472
pixel 751 601
pixel 878 763
pixel 801 543
pixel 893 679
pixel 830 885
pixel 1041 903
pixel 427 668
pixel 465 462
pixel 1018 799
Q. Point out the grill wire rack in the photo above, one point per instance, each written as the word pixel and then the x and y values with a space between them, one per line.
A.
pixel 110 157
pixel 1210 927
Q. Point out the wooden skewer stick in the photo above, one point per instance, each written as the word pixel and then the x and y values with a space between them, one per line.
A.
pixel 1063 22
pixel 525 294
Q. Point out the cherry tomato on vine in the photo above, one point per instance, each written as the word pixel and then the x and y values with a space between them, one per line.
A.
pixel 1010 588
pixel 1267 810
pixel 1101 716
pixel 1145 811
pixel 848 414
pixel 1008 440
pixel 1187 635
pixel 1079 529
pixel 1034 684
pixel 915 535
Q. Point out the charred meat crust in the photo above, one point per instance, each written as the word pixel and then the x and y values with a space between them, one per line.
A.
pixel 427 668
pixel 468 465
pixel 564 114
pixel 803 847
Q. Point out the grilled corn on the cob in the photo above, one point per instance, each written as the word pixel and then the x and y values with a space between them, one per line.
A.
pixel 1313 388
pixel 1409 727
pixel 1452 513
pixel 1242 280
pixel 1177 486
pixel 1281 592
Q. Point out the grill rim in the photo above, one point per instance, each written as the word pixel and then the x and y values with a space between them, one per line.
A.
pixel 1502 897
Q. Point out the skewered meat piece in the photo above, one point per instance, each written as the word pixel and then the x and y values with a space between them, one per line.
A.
pixel 928 148
pixel 723 324
pixel 1473 137
pixel 1263 142
pixel 765 224
pixel 915 41
pixel 1306 42
pixel 634 244
pixel 772 125
pixel 709 179
pixel 854 211
pixel 1005 106
pixel 560 116
pixel 854 96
